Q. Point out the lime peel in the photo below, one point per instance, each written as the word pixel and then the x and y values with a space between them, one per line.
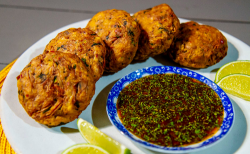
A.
pixel 94 136
pixel 234 67
pixel 236 84
pixel 84 148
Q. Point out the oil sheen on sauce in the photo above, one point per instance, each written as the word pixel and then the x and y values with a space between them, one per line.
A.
pixel 170 109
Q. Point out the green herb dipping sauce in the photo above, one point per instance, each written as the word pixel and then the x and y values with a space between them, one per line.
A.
pixel 170 109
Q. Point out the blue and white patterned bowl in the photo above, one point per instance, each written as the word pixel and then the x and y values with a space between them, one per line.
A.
pixel 119 85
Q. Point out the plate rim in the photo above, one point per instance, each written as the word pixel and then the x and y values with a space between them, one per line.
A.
pixel 236 42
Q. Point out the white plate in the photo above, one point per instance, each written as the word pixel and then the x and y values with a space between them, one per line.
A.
pixel 28 137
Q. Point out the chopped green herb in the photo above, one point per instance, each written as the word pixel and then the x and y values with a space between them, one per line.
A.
pixel 131 33
pixel 133 125
pixel 95 44
pixel 42 76
pixel 46 110
pixel 125 23
pixel 19 92
pixel 55 79
pixel 84 61
pixel 170 109
pixel 197 131
pixel 164 29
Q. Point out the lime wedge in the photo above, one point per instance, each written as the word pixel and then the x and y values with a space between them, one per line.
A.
pixel 236 84
pixel 84 148
pixel 235 67
pixel 94 136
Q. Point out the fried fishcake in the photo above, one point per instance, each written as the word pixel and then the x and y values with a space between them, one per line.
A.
pixel 198 46
pixel 159 25
pixel 85 44
pixel 120 33
pixel 54 88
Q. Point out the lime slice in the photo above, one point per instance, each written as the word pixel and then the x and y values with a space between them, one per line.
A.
pixel 235 67
pixel 84 148
pixel 94 136
pixel 236 84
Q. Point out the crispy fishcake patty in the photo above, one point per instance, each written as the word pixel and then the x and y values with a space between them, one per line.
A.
pixel 198 46
pixel 85 44
pixel 120 33
pixel 159 25
pixel 54 88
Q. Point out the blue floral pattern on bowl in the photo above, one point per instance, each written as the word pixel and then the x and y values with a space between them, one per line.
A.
pixel 119 85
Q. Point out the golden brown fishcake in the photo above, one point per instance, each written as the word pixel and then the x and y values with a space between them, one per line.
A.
pixel 198 46
pixel 159 25
pixel 85 44
pixel 54 88
pixel 120 33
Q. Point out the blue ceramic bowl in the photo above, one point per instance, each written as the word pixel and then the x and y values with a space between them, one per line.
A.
pixel 119 85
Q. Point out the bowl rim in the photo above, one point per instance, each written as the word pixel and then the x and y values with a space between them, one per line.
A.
pixel 225 128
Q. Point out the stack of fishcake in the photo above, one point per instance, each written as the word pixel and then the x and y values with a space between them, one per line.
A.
pixel 198 46
pixel 148 33
pixel 56 86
